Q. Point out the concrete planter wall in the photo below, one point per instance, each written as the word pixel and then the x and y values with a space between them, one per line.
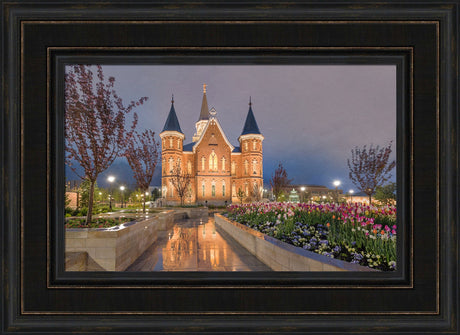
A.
pixel 114 249
pixel 281 256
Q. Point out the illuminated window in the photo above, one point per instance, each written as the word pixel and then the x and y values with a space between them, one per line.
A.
pixel 254 166
pixel 170 142
pixel 171 190
pixel 213 161
pixel 213 190
pixel 246 146
pixel 233 168
pixel 246 191
pixel 171 164
pixel 254 145
pixel 202 189
pixel 223 189
pixel 246 167
pixel 189 167
pixel 223 163
pixel 178 144
pixel 233 189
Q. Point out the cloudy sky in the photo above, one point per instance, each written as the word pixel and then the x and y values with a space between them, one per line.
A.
pixel 310 115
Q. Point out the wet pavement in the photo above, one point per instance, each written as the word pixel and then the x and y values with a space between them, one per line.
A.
pixel 196 245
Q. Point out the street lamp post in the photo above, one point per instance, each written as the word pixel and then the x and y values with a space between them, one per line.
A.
pixel 351 195
pixel 110 179
pixel 122 188
pixel 336 183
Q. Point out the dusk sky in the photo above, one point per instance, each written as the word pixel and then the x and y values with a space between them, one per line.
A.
pixel 310 115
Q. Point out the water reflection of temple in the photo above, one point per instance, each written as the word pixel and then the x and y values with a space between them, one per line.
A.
pixel 199 244
pixel 194 245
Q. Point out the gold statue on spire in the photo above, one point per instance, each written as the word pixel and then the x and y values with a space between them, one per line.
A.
pixel 204 88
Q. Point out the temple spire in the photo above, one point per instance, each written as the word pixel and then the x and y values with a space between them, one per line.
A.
pixel 250 126
pixel 204 114
pixel 172 123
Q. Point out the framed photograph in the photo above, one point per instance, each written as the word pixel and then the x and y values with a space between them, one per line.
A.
pixel 211 168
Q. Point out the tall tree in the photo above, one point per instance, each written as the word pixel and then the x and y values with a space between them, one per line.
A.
pixel 180 180
pixel 279 181
pixel 370 167
pixel 94 123
pixel 142 153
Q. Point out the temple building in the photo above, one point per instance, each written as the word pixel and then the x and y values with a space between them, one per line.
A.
pixel 220 173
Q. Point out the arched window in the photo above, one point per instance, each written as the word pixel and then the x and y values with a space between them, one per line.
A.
pixel 203 189
pixel 223 188
pixel 246 191
pixel 189 167
pixel 246 146
pixel 171 164
pixel 233 190
pixel 213 161
pixel 254 166
pixel 213 190
pixel 171 190
pixel 164 166
pixel 246 167
pixel 170 142
pixel 178 144
pixel 233 168
pixel 254 145
pixel 189 191
pixel 223 163
pixel 202 163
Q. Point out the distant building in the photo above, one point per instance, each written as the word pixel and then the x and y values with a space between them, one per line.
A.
pixel 218 168
pixel 314 192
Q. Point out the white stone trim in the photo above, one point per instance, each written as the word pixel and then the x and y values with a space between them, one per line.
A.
pixel 172 133
pixel 251 136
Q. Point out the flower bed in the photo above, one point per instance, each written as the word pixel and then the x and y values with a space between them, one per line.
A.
pixel 97 223
pixel 357 233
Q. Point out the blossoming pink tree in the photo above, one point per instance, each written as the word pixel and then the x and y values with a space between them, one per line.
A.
pixel 370 167
pixel 142 154
pixel 94 123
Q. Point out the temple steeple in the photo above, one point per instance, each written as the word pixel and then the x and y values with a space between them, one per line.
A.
pixel 250 126
pixel 204 116
pixel 172 123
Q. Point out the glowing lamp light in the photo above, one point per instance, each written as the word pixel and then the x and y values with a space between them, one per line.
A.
pixel 336 183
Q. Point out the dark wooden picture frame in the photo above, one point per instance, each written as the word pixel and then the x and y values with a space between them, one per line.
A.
pixel 38 296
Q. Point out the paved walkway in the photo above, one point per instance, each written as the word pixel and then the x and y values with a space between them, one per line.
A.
pixel 196 245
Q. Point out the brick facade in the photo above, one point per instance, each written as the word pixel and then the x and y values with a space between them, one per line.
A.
pixel 218 169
